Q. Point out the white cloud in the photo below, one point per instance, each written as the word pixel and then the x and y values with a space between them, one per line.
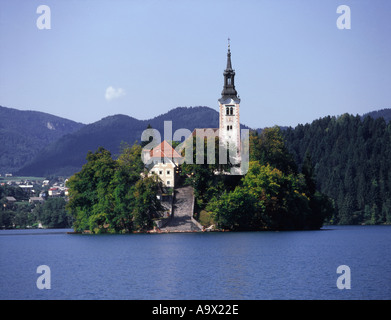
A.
pixel 113 93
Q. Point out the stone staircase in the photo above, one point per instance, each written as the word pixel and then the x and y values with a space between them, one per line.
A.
pixel 182 218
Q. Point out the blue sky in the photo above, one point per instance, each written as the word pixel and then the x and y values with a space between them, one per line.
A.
pixel 143 58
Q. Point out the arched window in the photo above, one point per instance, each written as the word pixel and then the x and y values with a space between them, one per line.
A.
pixel 231 111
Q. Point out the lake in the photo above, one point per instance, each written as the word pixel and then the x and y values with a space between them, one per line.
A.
pixel 200 266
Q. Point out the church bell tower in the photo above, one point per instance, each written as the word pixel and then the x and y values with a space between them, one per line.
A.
pixel 229 123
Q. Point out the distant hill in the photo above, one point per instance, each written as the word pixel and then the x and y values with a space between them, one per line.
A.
pixel 23 134
pixel 384 113
pixel 67 155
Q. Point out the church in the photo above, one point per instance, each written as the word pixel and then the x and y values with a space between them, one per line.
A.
pixel 229 121
pixel 166 159
pixel 228 132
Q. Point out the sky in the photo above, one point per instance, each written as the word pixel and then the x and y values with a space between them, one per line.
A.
pixel 142 58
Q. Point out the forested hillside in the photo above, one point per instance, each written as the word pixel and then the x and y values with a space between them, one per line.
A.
pixel 383 113
pixel 352 162
pixel 23 134
pixel 67 155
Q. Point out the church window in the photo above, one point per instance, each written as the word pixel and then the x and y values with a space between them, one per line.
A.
pixel 229 81
pixel 230 127
pixel 227 128
pixel 231 111
pixel 227 110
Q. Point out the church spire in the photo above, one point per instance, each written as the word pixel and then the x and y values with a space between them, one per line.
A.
pixel 229 91
pixel 229 64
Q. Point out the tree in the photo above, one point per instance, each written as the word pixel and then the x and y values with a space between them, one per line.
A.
pixel 128 172
pixel 90 192
pixel 386 210
pixel 113 195
pixel 52 214
pixel 146 205
pixel 321 206
pixel 208 178
pixel 309 174
pixel 266 199
pixel 7 219
pixel 235 210
pixel 269 148
pixel 285 204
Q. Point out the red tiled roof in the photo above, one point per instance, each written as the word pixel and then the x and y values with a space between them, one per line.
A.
pixel 164 150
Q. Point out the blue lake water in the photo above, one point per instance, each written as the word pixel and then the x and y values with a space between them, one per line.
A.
pixel 233 266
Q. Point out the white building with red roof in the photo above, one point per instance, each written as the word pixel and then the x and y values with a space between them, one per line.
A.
pixel 163 161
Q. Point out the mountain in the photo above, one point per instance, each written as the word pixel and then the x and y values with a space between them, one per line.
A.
pixel 384 113
pixel 23 134
pixel 67 155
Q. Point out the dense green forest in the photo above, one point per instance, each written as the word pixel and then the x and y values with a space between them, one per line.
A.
pixel 352 164
pixel 113 196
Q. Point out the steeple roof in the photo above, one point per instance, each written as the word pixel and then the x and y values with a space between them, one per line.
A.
pixel 229 91
pixel 229 64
